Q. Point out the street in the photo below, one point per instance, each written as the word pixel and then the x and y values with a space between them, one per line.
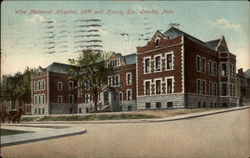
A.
pixel 225 135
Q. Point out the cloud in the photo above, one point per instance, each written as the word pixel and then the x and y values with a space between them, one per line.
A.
pixel 223 23
pixel 35 19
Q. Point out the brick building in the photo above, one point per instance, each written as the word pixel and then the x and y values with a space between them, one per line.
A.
pixel 173 70
pixel 244 85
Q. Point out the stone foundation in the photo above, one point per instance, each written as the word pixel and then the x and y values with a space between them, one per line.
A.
pixel 177 101
pixel 128 105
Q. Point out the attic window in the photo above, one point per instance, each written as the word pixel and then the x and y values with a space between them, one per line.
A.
pixel 157 43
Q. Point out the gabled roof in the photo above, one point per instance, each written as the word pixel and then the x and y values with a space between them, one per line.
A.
pixel 58 68
pixel 213 44
pixel 247 74
pixel 129 59
pixel 174 32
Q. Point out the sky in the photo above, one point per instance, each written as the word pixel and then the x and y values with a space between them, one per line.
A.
pixel 37 33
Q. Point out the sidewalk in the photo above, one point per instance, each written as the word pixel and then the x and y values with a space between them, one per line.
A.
pixel 172 118
pixel 37 134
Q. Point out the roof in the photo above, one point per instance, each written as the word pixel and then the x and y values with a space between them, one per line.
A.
pixel 58 68
pixel 174 32
pixel 129 59
pixel 213 44
pixel 247 74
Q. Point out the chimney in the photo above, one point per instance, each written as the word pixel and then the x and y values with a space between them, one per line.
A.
pixel 240 71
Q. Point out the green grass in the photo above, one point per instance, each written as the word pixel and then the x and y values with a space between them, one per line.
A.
pixel 96 117
pixel 5 132
pixel 29 118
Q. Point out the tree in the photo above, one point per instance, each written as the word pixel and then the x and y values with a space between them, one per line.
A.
pixel 91 68
pixel 18 86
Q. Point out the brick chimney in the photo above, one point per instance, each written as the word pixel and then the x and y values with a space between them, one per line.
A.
pixel 240 71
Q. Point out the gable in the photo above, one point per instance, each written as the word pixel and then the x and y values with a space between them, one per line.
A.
pixel 222 46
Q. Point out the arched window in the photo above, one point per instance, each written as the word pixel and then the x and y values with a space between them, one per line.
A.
pixel 157 43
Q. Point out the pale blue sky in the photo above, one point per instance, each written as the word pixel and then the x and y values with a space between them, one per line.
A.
pixel 22 36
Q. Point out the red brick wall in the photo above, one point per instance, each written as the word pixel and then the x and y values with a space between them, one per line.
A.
pixel 165 46
pixel 64 78
pixel 122 70
pixel 191 75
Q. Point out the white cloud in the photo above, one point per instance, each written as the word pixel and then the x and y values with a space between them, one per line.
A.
pixel 223 23
pixel 35 19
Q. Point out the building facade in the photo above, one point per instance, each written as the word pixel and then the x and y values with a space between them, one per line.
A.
pixel 173 70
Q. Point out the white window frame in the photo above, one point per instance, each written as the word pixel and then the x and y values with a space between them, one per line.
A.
pixel 158 79
pixel 127 81
pixel 166 85
pixel 144 89
pixel 203 66
pixel 166 60
pixel 35 99
pixel 144 68
pixel 61 87
pixel 58 100
pixel 127 90
pixel 160 69
pixel 43 98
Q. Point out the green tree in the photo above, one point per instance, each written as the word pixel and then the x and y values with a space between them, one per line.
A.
pixel 91 67
pixel 18 86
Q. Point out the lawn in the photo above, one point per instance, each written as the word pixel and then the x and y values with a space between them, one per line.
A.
pixel 143 114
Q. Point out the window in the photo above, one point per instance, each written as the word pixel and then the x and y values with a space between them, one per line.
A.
pixel 169 85
pixel 169 104
pixel 110 80
pixel 148 105
pixel 158 105
pixel 35 110
pixel 120 96
pixel 71 85
pixel 169 61
pixel 157 43
pixel 80 110
pixel 71 99
pixel 215 68
pixel 39 99
pixel 43 111
pixel 43 85
pixel 39 111
pixel 147 88
pixel 224 69
pixel 224 89
pixel 129 108
pixel 35 86
pixel 147 65
pixel 210 67
pixel 215 89
pixel 203 65
pixel 59 86
pixel 158 86
pixel 116 80
pixel 87 98
pixel 231 90
pixel 198 63
pixel 203 87
pixel 43 98
pixel 129 94
pixel 158 63
pixel 210 88
pixel 199 104
pixel 129 78
pixel 59 99
pixel 198 87
pixel 39 85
